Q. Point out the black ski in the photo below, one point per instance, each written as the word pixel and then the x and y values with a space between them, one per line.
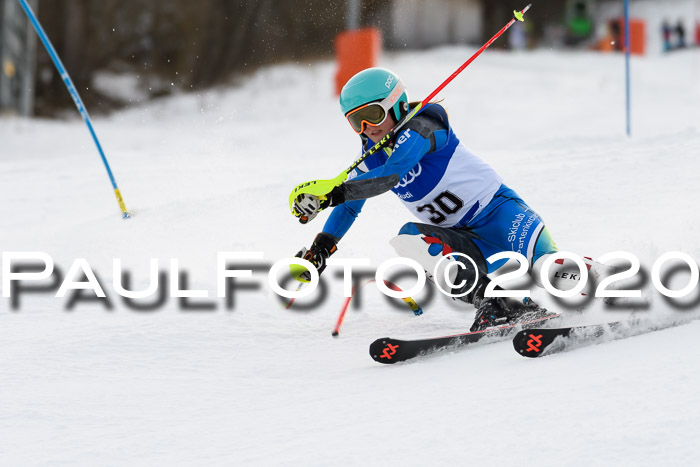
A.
pixel 539 342
pixel 387 350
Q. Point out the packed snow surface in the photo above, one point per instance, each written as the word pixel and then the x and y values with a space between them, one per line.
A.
pixel 257 384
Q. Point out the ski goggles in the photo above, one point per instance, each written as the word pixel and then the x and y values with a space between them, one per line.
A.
pixel 374 113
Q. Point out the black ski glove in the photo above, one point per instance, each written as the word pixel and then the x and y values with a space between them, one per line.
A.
pixel 323 247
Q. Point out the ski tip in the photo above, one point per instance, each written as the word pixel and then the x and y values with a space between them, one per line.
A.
pixel 528 343
pixel 382 350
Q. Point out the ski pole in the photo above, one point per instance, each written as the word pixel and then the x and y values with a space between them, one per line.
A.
pixel 291 300
pixel 417 310
pixel 323 187
pixel 76 98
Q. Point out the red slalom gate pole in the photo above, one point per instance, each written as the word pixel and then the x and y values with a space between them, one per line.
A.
pixel 517 16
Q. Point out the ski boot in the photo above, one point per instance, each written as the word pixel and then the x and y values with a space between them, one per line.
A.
pixel 490 312
pixel 499 311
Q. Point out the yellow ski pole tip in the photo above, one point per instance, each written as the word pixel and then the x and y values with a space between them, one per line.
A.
pixel 518 15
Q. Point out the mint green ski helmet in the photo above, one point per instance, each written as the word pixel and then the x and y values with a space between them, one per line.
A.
pixel 371 85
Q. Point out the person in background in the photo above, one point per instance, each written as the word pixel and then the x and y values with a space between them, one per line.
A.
pixel 580 26
pixel 666 35
pixel 616 32
pixel 680 33
pixel 517 36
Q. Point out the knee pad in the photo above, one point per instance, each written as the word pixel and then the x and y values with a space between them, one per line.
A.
pixel 428 251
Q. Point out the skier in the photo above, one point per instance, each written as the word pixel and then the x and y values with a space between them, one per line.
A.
pixel 460 200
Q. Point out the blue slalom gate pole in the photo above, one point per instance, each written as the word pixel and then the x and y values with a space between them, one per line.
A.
pixel 76 98
pixel 627 64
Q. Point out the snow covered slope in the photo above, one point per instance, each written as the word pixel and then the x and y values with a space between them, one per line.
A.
pixel 259 385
